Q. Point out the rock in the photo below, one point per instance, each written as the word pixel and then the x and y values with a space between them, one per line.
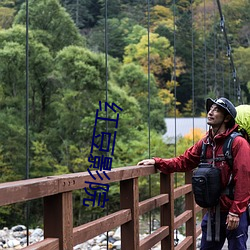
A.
pixel 38 232
pixel 80 246
pixel 111 233
pixel 3 233
pixel 103 243
pixel 23 240
pixel 100 238
pixel 117 244
pixel 13 243
pixel 91 242
pixel 117 235
pixel 18 247
pixel 18 234
pixel 18 228
pixel 95 248
pixel 111 240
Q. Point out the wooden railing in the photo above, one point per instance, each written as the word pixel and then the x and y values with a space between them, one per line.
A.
pixel 59 233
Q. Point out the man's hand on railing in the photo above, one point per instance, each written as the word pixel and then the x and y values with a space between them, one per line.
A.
pixel 146 162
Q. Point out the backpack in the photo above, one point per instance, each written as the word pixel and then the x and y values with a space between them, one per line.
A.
pixel 243 120
pixel 206 179
pixel 206 185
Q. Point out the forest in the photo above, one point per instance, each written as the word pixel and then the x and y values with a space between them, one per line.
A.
pixel 154 59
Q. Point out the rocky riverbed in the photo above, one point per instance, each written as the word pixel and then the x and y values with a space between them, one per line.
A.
pixel 16 238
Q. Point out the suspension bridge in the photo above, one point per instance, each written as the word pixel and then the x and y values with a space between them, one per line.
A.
pixel 56 192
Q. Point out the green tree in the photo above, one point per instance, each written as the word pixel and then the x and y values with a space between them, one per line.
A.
pixel 6 17
pixel 118 31
pixel 53 25
pixel 40 60
pixel 135 81
pixel 42 162
pixel 84 13
pixel 161 57
pixel 241 56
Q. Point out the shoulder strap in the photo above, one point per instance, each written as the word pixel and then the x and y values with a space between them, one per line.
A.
pixel 203 152
pixel 227 148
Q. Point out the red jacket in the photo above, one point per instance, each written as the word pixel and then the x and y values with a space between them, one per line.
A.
pixel 241 167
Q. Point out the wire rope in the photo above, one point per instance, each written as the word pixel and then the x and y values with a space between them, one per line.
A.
pixel 205 48
pixel 192 73
pixel 215 51
pixel 27 207
pixel 175 95
pixel 236 83
pixel 106 84
pixel 149 121
pixel 174 73
pixel 222 68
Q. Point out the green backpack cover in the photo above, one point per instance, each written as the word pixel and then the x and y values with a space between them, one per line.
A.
pixel 243 119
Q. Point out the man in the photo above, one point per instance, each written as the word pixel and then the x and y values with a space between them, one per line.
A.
pixel 221 115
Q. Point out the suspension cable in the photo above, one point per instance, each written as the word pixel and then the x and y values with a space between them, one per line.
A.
pixel 174 75
pixel 149 121
pixel 175 95
pixel 27 207
pixel 106 83
pixel 192 74
pixel 205 49
pixel 229 53
pixel 221 68
pixel 215 51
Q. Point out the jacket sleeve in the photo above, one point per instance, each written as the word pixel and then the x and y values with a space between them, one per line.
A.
pixel 185 162
pixel 241 175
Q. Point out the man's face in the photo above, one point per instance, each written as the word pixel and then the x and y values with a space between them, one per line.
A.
pixel 215 116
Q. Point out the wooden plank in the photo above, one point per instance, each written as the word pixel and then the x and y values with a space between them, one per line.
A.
pixel 24 190
pixel 46 244
pixel 58 219
pixel 182 218
pixel 185 244
pixel 152 203
pixel 198 209
pixel 198 231
pixel 77 181
pixel 167 210
pixel 190 205
pixel 154 238
pixel 129 196
pixel 90 230
pixel 178 192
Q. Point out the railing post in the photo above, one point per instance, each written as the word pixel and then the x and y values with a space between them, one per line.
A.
pixel 129 198
pixel 58 219
pixel 167 210
pixel 190 205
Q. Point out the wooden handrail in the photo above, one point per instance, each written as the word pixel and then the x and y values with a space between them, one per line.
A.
pixel 58 209
pixel 24 190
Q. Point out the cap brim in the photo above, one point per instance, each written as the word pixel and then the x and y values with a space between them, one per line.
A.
pixel 209 103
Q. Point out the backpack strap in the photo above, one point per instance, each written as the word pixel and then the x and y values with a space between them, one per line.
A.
pixel 203 152
pixel 227 151
pixel 227 148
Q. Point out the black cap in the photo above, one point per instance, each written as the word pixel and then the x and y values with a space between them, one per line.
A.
pixel 223 103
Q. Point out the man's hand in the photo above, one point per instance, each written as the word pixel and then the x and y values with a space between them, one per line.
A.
pixel 146 162
pixel 232 221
